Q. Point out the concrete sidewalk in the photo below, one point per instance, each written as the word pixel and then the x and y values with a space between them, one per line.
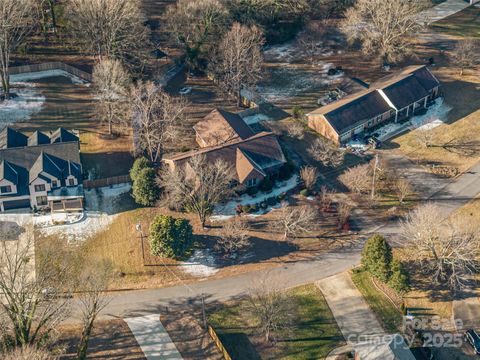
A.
pixel 152 338
pixel 442 11
pixel 356 320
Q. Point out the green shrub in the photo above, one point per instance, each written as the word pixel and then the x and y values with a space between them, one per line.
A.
pixel 298 112
pixel 304 192
pixel 139 164
pixel 253 208
pixel 252 190
pixel 170 237
pixel 281 197
pixel 144 189
pixel 263 205
pixel 399 279
pixel 246 208
pixel 377 257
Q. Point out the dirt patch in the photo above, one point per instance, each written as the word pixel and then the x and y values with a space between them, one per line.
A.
pixel 110 340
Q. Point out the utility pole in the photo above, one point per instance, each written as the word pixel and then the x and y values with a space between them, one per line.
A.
pixel 374 176
pixel 138 227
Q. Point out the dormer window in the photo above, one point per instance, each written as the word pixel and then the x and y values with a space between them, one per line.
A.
pixel 54 184
pixel 71 182
pixel 5 189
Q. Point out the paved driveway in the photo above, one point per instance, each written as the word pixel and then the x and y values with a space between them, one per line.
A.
pixel 442 10
pixel 354 317
pixel 152 338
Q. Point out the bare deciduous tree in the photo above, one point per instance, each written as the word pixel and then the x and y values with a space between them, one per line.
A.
pixel 358 179
pixel 273 309
pixel 309 175
pixel 30 284
pixel 111 82
pixel 326 197
pixel 326 152
pixel 424 135
pixel 198 25
pixel 110 28
pixel 93 282
pixel 198 185
pixel 344 212
pixel 310 41
pixel 295 130
pixel 384 28
pixel 157 118
pixel 17 19
pixel 233 237
pixel 238 63
pixel 448 248
pixel 294 221
pixel 466 54
pixel 402 189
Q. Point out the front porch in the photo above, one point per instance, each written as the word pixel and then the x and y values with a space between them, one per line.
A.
pixel 66 205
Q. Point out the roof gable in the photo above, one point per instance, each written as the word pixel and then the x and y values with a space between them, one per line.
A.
pixel 220 127
pixel 10 138
pixel 8 172
pixel 38 138
pixel 62 135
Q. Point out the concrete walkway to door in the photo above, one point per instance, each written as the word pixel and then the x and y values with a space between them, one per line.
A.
pixel 356 320
pixel 443 10
pixel 152 338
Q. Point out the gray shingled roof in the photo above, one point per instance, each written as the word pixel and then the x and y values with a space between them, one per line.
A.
pixel 8 172
pixel 10 138
pixel 62 135
pixel 38 138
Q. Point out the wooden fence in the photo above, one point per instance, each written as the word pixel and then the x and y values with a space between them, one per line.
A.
pixel 115 180
pixel 57 65
pixel 219 344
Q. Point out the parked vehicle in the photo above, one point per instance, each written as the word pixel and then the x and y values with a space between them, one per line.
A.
pixel 473 339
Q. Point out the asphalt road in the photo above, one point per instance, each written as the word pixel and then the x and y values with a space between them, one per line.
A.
pixel 143 302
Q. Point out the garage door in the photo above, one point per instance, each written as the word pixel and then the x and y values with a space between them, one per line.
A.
pixel 16 204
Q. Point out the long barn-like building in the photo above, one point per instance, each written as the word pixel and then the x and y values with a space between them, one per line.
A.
pixel 392 98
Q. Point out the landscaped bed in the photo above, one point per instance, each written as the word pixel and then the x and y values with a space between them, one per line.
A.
pixel 315 333
pixel 388 315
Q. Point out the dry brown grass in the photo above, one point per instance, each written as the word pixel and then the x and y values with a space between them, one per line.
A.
pixel 110 340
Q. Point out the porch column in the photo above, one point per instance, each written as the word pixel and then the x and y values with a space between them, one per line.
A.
pixel 81 203
pixel 425 102
pixel 408 109
pixel 63 204
pixel 51 206
pixel 396 115
pixel 2 209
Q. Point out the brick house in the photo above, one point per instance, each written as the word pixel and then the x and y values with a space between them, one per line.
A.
pixel 224 135
pixel 392 98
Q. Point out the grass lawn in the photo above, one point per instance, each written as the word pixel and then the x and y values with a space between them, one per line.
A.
pixel 464 23
pixel 455 144
pixel 314 336
pixel 389 315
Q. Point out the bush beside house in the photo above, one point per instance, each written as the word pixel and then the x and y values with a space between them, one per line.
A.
pixel 144 187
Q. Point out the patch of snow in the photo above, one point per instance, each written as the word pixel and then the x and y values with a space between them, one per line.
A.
pixel 45 74
pixel 221 217
pixel 253 119
pixel 230 207
pixel 436 115
pixel 284 83
pixel 27 103
pixel 281 53
pixel 89 225
pixel 200 264
pixel 106 199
